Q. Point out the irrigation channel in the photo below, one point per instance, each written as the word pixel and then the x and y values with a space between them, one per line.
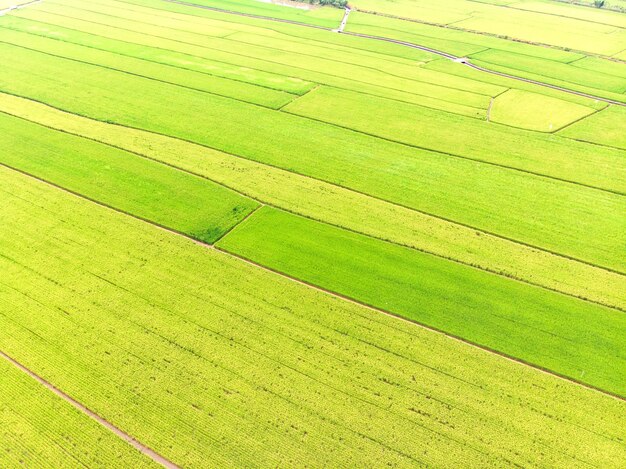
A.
pixel 454 58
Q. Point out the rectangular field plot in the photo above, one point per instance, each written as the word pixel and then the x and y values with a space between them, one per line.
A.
pixel 565 335
pixel 39 429
pixel 143 188
pixel 535 112
pixel 201 356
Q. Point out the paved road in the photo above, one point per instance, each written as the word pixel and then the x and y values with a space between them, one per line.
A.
pixel 462 60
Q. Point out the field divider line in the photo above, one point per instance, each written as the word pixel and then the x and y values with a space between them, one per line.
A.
pixel 156 457
pixel 263 203
pixel 240 222
pixel 356 191
pixel 330 292
pixel 565 126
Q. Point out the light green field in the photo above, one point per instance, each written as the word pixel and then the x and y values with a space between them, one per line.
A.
pixel 535 112
pixel 210 19
pixel 39 429
pixel 452 41
pixel 316 15
pixel 550 69
pixel 569 337
pixel 608 67
pixel 338 206
pixel 560 25
pixel 551 214
pixel 222 361
pixel 453 68
pixel 173 75
pixel 171 198
pixel 607 127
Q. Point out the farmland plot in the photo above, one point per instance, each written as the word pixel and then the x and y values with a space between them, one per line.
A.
pixel 535 112
pixel 196 365
pixel 198 207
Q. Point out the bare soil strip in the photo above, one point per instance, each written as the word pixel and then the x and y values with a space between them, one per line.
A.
pixel 315 287
pixel 123 435
pixel 462 60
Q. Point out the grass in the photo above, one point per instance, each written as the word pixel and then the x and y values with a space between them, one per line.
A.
pixel 535 112
pixel 560 217
pixel 603 128
pixel 203 357
pixel 39 429
pixel 567 336
pixel 339 206
pixel 174 199
pixel 469 138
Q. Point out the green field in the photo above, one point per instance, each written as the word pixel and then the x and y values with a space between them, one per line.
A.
pixel 240 236
pixel 176 200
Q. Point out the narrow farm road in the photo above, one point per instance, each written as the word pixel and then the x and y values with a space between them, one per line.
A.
pixel 120 433
pixel 342 26
pixel 18 7
pixel 461 60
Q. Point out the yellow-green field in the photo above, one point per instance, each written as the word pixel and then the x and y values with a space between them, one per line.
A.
pixel 235 233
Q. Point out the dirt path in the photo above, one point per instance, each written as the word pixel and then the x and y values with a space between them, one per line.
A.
pixel 123 435
pixel 461 60
pixel 342 26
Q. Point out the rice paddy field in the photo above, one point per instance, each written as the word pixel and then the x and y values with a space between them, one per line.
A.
pixel 238 233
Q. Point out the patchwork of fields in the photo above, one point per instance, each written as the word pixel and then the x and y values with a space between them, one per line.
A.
pixel 243 239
